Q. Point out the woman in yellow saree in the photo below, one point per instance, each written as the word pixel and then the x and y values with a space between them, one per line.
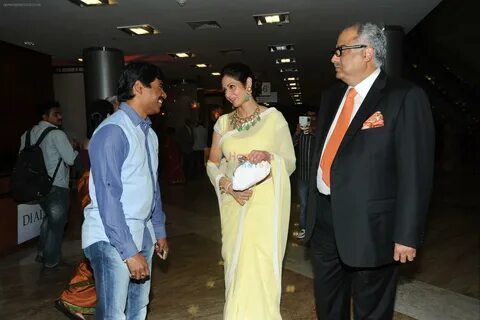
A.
pixel 255 221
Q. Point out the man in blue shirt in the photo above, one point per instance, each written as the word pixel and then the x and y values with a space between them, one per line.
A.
pixel 125 222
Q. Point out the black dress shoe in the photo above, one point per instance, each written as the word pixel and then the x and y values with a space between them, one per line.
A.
pixel 63 309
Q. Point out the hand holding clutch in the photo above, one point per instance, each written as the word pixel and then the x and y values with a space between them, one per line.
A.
pixel 248 174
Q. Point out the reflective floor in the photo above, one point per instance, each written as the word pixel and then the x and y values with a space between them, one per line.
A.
pixel 442 284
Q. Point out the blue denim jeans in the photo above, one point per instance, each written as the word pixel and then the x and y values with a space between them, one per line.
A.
pixel 118 297
pixel 55 205
pixel 302 189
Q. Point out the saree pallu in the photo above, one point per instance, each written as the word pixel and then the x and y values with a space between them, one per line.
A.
pixel 80 295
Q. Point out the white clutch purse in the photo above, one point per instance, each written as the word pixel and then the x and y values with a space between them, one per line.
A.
pixel 249 174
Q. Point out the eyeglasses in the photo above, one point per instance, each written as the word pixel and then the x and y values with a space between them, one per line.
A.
pixel 339 50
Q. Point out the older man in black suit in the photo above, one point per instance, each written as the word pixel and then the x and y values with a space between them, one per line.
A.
pixel 374 163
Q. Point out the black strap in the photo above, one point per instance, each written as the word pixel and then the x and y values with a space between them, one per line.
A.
pixel 27 138
pixel 42 136
pixel 56 169
pixel 40 139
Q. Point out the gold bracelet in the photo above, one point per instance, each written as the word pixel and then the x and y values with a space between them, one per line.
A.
pixel 225 189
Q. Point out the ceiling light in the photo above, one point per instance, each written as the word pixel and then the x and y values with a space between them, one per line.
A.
pixel 281 47
pixel 215 73
pixel 296 95
pixel 93 3
pixel 291 79
pixel 285 60
pixel 182 55
pixel 292 84
pixel 272 18
pixel 201 65
pixel 80 59
pixel 139 30
pixel 288 70
pixel 293 88
pixel 29 43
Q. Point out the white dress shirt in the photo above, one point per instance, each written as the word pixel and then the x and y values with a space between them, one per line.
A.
pixel 362 90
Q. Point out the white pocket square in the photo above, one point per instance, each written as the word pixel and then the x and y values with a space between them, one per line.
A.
pixel 249 174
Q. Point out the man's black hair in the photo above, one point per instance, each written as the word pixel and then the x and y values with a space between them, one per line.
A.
pixel 43 109
pixel 141 71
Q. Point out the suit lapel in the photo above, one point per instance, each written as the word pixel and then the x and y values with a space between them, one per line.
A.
pixel 367 108
pixel 327 114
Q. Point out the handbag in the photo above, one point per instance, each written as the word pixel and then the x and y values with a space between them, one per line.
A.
pixel 249 174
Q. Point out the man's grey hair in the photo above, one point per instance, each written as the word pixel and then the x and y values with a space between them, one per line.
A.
pixel 373 36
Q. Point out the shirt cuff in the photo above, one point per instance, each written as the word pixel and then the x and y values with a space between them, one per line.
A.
pixel 128 250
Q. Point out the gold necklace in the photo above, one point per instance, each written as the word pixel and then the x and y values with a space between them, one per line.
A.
pixel 241 124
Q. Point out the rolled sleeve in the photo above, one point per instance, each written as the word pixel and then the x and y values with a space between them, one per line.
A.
pixel 108 150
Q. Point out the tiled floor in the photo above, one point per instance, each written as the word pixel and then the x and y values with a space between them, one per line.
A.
pixel 190 285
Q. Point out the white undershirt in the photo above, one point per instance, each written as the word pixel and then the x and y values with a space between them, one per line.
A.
pixel 362 90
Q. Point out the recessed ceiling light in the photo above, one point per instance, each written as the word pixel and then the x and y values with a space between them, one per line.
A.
pixel 92 3
pixel 182 55
pixel 215 73
pixel 285 60
pixel 291 79
pixel 288 70
pixel 292 84
pixel 139 30
pixel 293 88
pixel 281 47
pixel 29 43
pixel 272 18
pixel 201 65
pixel 80 59
pixel 296 95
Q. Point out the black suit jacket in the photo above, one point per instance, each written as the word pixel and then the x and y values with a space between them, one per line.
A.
pixel 381 178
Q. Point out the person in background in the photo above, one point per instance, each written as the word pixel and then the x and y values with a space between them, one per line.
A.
pixel 199 146
pixel 124 222
pixel 254 221
pixel 374 158
pixel 304 142
pixel 58 152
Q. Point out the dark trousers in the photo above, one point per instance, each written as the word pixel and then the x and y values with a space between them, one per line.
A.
pixel 372 290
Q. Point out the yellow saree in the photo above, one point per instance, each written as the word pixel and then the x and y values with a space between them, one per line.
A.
pixel 254 236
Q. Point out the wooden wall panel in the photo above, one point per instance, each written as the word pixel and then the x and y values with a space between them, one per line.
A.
pixel 25 80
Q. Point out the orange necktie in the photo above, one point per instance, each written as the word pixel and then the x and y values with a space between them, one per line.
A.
pixel 339 131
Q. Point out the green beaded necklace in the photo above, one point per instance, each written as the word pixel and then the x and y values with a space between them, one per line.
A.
pixel 244 124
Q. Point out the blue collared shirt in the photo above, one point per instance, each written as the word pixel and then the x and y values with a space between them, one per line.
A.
pixel 108 150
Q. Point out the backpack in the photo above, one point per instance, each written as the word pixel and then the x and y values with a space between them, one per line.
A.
pixel 30 179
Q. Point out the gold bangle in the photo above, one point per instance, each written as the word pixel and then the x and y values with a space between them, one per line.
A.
pixel 224 189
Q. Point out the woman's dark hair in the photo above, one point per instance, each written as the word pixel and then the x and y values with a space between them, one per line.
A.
pixel 100 110
pixel 240 72
pixel 141 71
pixel 43 109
